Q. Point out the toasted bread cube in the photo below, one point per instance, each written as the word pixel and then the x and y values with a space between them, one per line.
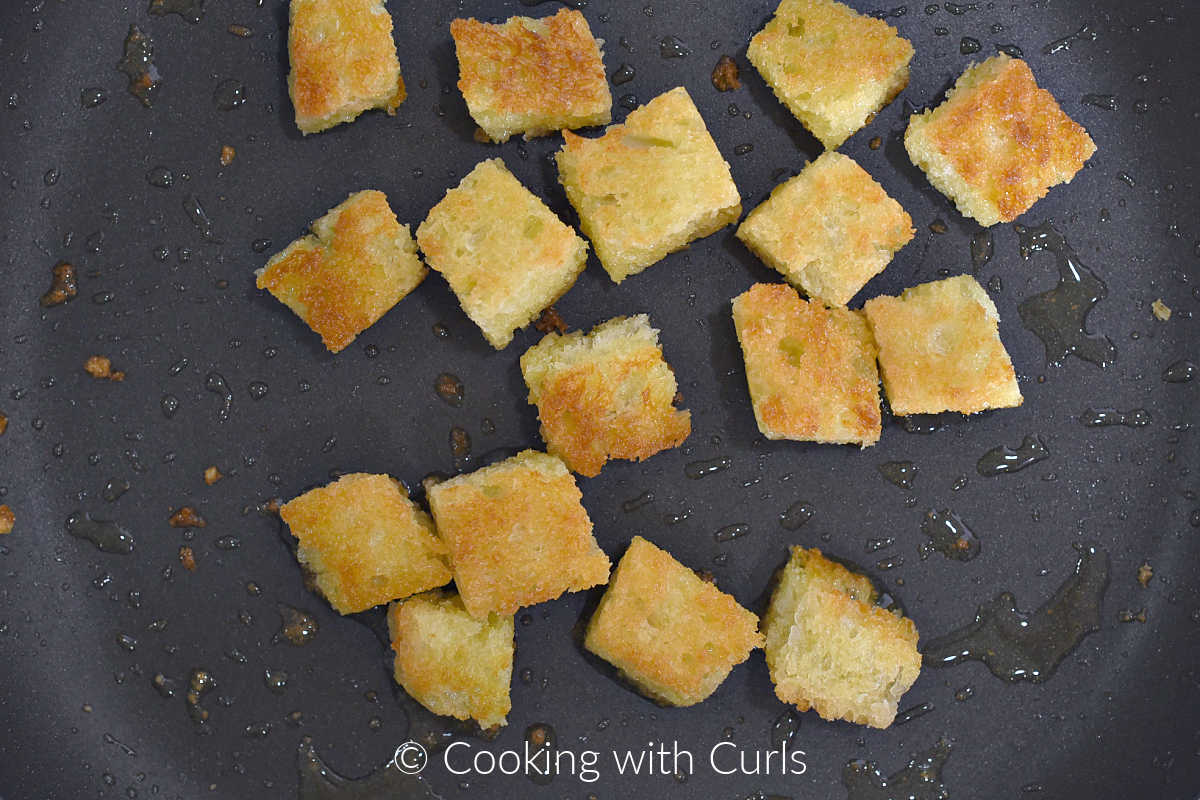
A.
pixel 810 369
pixel 998 142
pixel 518 534
pixel 650 186
pixel 607 394
pixel 831 66
pixel 829 647
pixel 366 542
pixel 451 662
pixel 531 76
pixel 940 349
pixel 828 230
pixel 343 61
pixel 673 635
pixel 357 263
pixel 503 252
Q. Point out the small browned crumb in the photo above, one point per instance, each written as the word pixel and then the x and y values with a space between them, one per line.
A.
pixel 677 400
pixel 187 558
pixel 725 75
pixel 1161 310
pixel 271 506
pixel 7 519
pixel 240 30
pixel 1144 574
pixel 186 517
pixel 100 367
pixel 3 423
pixel 706 576
pixel 460 442
pixel 212 475
pixel 431 480
pixel 875 143
pixel 1126 615
pixel 550 321
pixel 63 287
pixel 227 155
pixel 482 137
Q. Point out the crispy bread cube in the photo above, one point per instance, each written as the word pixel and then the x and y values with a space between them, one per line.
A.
pixel 940 349
pixel 998 142
pixel 828 230
pixel 829 647
pixel 650 186
pixel 672 634
pixel 503 252
pixel 811 369
pixel 518 534
pixel 343 61
pixel 531 76
pixel 366 542
pixel 831 66
pixel 451 662
pixel 357 263
pixel 607 394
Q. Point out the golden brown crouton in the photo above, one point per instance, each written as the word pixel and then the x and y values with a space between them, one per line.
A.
pixel 829 647
pixel 940 349
pixel 828 230
pixel 366 542
pixel 810 369
pixel 831 66
pixel 605 395
pixel 518 534
pixel 450 662
pixel 675 636
pixel 998 142
pixel 7 519
pixel 357 263
pixel 531 76
pixel 503 252
pixel 650 186
pixel 343 61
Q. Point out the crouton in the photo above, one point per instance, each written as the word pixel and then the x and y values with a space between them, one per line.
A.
pixel 828 230
pixel 357 263
pixel 831 66
pixel 607 394
pixel 518 534
pixel 673 635
pixel 810 369
pixel 829 647
pixel 998 143
pixel 650 186
pixel 531 76
pixel 503 252
pixel 365 542
pixel 940 349
pixel 343 61
pixel 451 662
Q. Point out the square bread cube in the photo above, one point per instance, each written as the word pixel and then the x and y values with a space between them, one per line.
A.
pixel 673 635
pixel 828 230
pixel 831 66
pixel 606 394
pixel 829 647
pixel 531 76
pixel 810 369
pixel 343 61
pixel 357 263
pixel 366 542
pixel 451 662
pixel 503 252
pixel 649 186
pixel 998 142
pixel 940 349
pixel 518 534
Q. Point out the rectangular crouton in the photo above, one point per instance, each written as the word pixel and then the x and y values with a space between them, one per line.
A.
pixel 828 230
pixel 831 66
pixel 650 186
pixel 531 76
pixel 673 635
pixel 607 394
pixel 366 542
pixel 343 61
pixel 451 662
pixel 503 252
pixel 518 534
pixel 357 263
pixel 829 647
pixel 998 142
pixel 940 349
pixel 810 369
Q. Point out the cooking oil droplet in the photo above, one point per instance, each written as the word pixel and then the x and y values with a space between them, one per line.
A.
pixel 1105 417
pixel 1180 372
pixel 920 780
pixel 296 626
pixel 541 738
pixel 138 65
pixel 969 45
pixel 215 383
pixel 257 389
pixel 1106 102
pixel 200 683
pixel 982 248
pixel 229 94
pixel 113 490
pixel 701 469
pixel 276 680
pixel 909 714
pixel 624 74
pixel 198 216
pixel 633 504
pixel 731 532
pixel 948 535
pixel 1084 34
pixel 190 10
pixel 794 517
pixel 784 729
pixel 109 537
pixel 900 473
pixel 161 177
pixel 672 47
pixel 169 404
pixel 319 782
pixel 92 96
pixel 449 387
pixel 1003 460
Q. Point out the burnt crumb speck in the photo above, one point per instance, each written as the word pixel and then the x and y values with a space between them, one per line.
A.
pixel 186 517
pixel 63 286
pixel 875 143
pixel 550 321
pixel 1144 573
pixel 100 367
pixel 725 75
pixel 449 387
pixel 7 519
pixel 241 31
pixel 187 558
pixel 138 65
